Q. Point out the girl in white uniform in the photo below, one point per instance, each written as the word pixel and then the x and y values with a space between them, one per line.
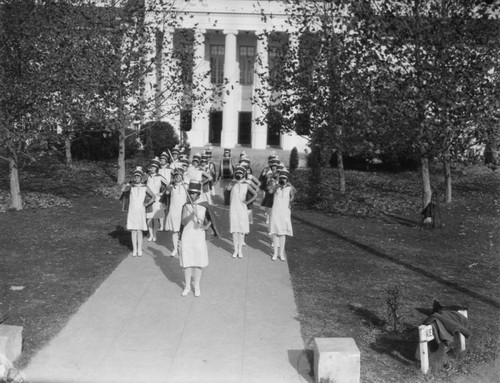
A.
pixel 194 250
pixel 165 171
pixel 178 198
pixel 280 224
pixel 157 183
pixel 238 211
pixel 138 196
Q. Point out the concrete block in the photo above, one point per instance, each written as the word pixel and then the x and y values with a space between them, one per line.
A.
pixel 11 341
pixel 336 360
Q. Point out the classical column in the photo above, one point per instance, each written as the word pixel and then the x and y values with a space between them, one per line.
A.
pixel 201 80
pixel 260 92
pixel 229 110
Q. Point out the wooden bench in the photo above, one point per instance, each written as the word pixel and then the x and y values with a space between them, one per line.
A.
pixel 425 335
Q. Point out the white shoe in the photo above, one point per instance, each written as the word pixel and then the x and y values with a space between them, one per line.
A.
pixel 197 292
pixel 282 257
pixel 139 253
pixel 240 255
pixel 185 292
pixel 235 255
pixel 134 254
pixel 275 257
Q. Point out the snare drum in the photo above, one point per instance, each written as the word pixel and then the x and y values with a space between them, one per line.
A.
pixel 227 168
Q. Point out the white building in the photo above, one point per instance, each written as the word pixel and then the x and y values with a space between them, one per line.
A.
pixel 229 44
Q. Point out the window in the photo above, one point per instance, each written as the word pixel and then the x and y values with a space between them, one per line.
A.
pixel 183 41
pixel 217 64
pixel 276 63
pixel 247 60
pixel 245 128
pixel 186 120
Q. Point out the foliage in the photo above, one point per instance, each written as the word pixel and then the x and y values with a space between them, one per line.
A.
pixel 158 136
pixel 314 179
pixel 96 144
pixel 294 159
pixel 372 79
pixel 34 200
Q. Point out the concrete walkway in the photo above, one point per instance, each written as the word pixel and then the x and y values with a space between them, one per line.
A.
pixel 137 328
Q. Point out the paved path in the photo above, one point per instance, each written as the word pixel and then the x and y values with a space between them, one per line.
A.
pixel 137 328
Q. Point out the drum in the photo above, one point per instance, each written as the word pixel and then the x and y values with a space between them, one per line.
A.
pixel 227 168
pixel 253 183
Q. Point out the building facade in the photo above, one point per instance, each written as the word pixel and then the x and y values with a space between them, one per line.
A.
pixel 231 48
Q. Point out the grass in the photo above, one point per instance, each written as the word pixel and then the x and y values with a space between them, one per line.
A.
pixel 347 251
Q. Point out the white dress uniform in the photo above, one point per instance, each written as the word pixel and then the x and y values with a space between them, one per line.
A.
pixel 136 215
pixel 281 215
pixel 154 183
pixel 238 210
pixel 194 250
pixel 178 198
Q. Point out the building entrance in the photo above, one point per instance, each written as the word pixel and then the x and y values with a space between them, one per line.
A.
pixel 245 128
pixel 215 127
pixel 273 133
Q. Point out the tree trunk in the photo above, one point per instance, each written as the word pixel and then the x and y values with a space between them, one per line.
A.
pixel 447 177
pixel 426 181
pixel 149 142
pixel 67 149
pixel 121 157
pixel 340 166
pixel 15 189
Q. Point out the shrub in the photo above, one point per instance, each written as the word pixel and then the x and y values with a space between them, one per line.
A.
pixel 157 136
pixel 314 162
pixel 314 158
pixel 95 144
pixel 294 159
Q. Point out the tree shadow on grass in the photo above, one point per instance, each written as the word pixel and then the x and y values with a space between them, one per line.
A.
pixel 420 270
pixel 391 218
pixel 372 318
pixel 400 346
pixel 123 236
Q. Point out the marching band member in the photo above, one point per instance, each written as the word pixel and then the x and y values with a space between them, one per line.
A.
pixel 184 165
pixel 207 180
pixel 175 158
pixel 253 183
pixel 166 172
pixel 197 173
pixel 136 196
pixel 280 224
pixel 197 218
pixel 226 167
pixel 178 198
pixel 238 210
pixel 267 200
pixel 212 169
pixel 194 167
pixel 245 161
pixel 157 183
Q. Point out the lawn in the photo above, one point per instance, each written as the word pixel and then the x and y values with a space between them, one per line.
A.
pixel 344 256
